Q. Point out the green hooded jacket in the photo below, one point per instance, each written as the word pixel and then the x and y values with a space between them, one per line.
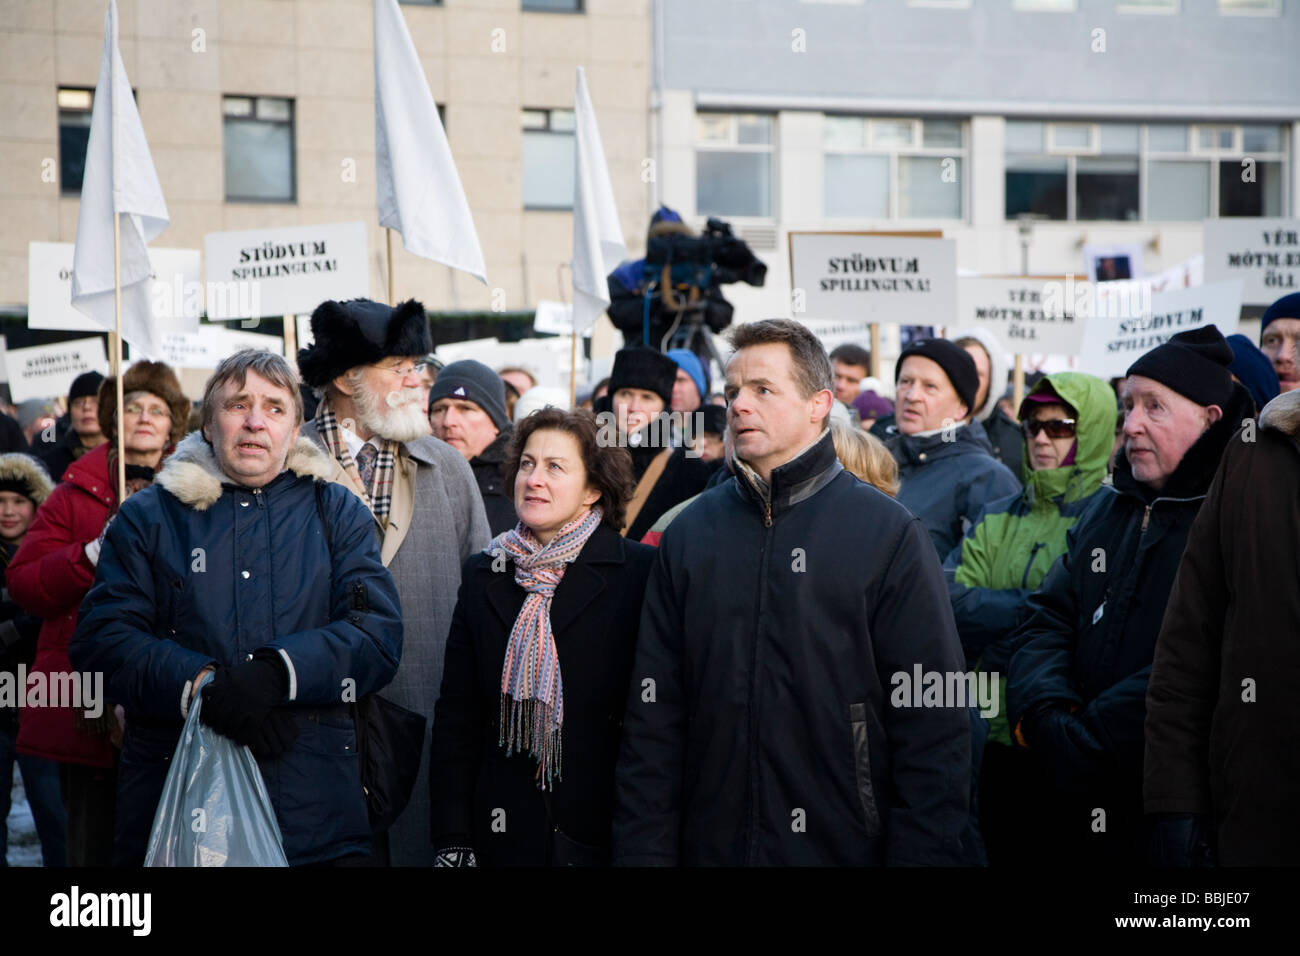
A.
pixel 1007 551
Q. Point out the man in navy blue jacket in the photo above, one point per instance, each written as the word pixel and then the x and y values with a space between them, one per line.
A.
pixel 225 565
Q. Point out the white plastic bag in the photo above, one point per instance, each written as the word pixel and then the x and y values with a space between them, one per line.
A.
pixel 214 809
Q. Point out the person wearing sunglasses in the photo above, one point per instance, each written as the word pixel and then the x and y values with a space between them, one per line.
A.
pixel 1067 420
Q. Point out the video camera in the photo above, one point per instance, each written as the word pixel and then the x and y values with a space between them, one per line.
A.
pixel 695 263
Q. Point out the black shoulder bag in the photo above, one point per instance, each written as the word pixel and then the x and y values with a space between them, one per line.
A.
pixel 390 738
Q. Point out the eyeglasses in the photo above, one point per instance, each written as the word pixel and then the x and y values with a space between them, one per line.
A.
pixel 416 369
pixel 1055 428
pixel 153 411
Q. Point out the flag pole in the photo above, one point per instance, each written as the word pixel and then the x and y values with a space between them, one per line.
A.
pixel 573 368
pixel 388 235
pixel 117 358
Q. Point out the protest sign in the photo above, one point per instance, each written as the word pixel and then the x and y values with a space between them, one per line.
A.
pixel 47 371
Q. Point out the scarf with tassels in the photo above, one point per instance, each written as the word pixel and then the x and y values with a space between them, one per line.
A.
pixel 532 693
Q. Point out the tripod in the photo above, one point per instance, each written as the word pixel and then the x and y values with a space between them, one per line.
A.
pixel 688 332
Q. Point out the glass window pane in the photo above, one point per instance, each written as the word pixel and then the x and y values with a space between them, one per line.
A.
pixel 1148 6
pixel 273 108
pixel 1062 6
pixel 733 184
pixel 258 160
pixel 76 99
pixel 1177 192
pixel 1106 189
pixel 1273 7
pixel 1037 186
pixel 844 132
pixel 941 133
pixel 237 106
pixel 560 6
pixel 563 120
pixel 891 133
pixel 74 135
pixel 1167 138
pixel 1071 136
pixel 1261 139
pixel 929 187
pixel 1240 197
pixel 548 170
pixel 1119 138
pixel 535 119
pixel 713 128
pixel 753 130
pixel 1024 137
pixel 857 187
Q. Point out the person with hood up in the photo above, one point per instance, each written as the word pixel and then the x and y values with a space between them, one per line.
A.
pixel 1077 682
pixel 1068 423
pixel 1252 368
pixel 991 366
pixel 56 566
pixel 945 464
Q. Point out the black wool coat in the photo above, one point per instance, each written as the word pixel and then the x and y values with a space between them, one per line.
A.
pixel 1089 640
pixel 1222 716
pixel 683 477
pixel 490 802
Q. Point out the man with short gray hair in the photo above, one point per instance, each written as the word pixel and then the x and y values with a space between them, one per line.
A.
pixel 366 363
pixel 241 559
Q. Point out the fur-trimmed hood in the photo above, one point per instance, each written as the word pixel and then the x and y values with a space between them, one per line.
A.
pixel 192 475
pixel 1283 414
pixel 26 476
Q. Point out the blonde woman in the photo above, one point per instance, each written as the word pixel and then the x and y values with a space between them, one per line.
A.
pixel 866 456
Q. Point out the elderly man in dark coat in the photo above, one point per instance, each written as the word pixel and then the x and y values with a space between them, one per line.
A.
pixel 365 364
pixel 1222 769
pixel 1077 682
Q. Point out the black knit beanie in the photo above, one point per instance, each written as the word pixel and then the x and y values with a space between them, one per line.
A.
pixel 474 382
pixel 953 359
pixel 646 369
pixel 1287 307
pixel 85 385
pixel 1193 363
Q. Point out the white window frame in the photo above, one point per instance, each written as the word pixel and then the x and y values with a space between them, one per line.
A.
pixel 549 130
pixel 1040 6
pixel 960 153
pixel 1094 140
pixel 733 145
pixel 1172 8
pixel 1197 149
pixel 1274 11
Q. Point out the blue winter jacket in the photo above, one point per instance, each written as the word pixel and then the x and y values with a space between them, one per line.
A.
pixel 947 479
pixel 196 571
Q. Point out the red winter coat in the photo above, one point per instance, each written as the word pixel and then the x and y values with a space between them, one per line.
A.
pixel 48 577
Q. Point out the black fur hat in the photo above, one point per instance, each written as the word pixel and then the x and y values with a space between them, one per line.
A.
pixel 361 332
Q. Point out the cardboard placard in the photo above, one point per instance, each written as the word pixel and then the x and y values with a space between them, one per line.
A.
pixel 1263 253
pixel 47 371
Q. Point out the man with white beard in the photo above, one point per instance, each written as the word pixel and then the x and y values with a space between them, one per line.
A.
pixel 365 364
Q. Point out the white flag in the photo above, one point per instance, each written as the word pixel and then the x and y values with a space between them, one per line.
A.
pixel 119 180
pixel 597 237
pixel 420 194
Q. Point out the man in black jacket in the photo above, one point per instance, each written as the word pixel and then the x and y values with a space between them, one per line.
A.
pixel 761 726
pixel 467 410
pixel 1077 683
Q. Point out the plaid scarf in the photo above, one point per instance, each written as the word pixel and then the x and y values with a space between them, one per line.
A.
pixel 380 493
pixel 532 693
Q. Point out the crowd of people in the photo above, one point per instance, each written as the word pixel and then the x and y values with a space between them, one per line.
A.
pixel 776 620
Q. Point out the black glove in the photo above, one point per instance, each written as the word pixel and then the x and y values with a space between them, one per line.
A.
pixel 277 734
pixel 1062 745
pixel 1181 840
pixel 238 702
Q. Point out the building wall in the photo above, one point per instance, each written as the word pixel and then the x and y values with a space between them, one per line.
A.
pixel 319 52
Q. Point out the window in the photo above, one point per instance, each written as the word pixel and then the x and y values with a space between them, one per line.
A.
pixel 733 164
pixel 1049 6
pixel 1147 6
pixel 259 149
pixel 1101 171
pixel 553 6
pixel 549 147
pixel 893 168
pixel 1259 8
pixel 951 4
pixel 74 134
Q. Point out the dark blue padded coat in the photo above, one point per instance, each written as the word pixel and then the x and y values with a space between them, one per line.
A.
pixel 196 571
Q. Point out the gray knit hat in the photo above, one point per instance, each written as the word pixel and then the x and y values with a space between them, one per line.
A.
pixel 474 382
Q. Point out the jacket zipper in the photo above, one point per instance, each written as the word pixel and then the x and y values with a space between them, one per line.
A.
pixel 1024 581
pixel 750 835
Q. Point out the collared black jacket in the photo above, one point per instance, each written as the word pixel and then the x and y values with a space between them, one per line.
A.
pixel 759 728
pixel 487 801
pixel 498 502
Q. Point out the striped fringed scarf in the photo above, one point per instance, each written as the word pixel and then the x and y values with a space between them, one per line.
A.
pixel 380 493
pixel 532 694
